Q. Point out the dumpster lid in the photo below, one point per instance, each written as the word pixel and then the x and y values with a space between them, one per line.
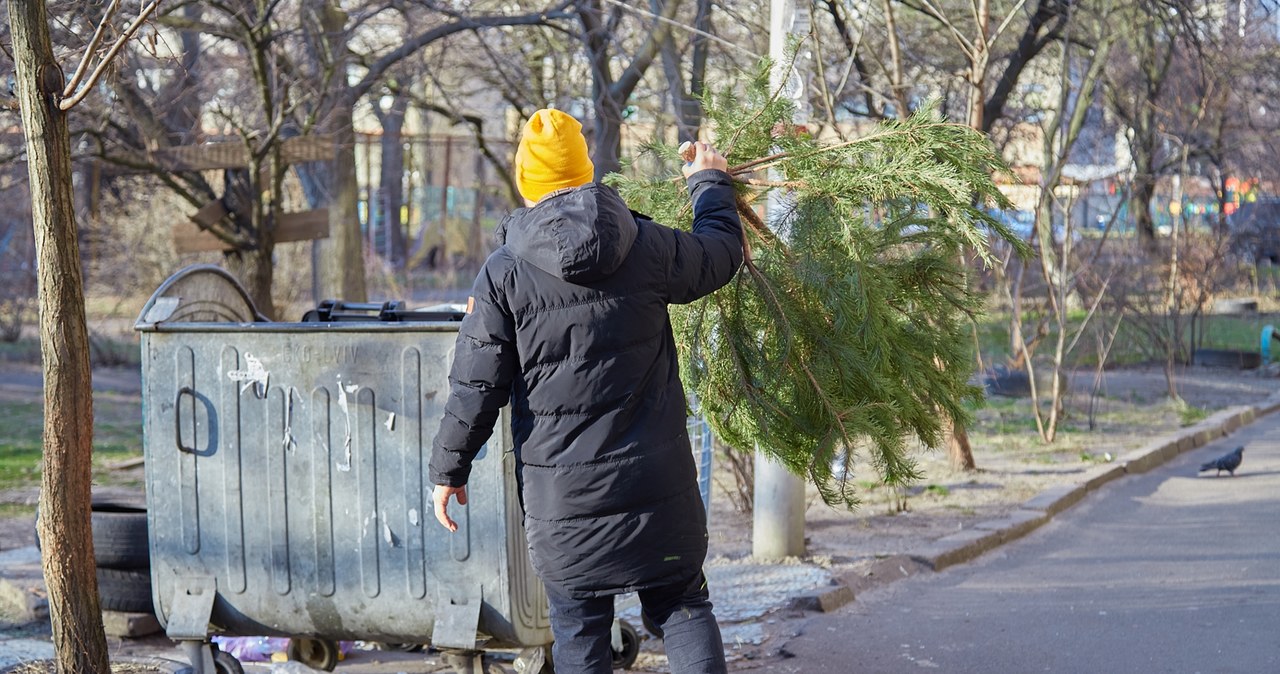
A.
pixel 201 293
pixel 392 311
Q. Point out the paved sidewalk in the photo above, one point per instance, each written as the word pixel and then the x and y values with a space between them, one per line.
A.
pixel 1170 571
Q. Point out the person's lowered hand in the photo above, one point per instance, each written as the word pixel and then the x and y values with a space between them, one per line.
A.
pixel 441 498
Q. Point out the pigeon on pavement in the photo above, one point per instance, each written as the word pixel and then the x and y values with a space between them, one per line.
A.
pixel 1228 462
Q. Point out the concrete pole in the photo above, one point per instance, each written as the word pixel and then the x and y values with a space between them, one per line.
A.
pixel 778 510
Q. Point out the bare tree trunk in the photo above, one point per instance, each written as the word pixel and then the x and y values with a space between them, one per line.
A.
pixel 958 449
pixel 1171 374
pixel 606 133
pixel 251 265
pixel 67 550
pixel 978 65
pixel 341 272
pixel 611 94
pixel 391 175
pixel 254 268
pixel 895 58
pixel 688 110
pixel 1144 189
pixel 341 268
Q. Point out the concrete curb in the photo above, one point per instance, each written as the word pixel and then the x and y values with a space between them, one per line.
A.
pixel 985 536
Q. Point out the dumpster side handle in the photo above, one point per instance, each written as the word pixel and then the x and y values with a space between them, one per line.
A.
pixel 177 418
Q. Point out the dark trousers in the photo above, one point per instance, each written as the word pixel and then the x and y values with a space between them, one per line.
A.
pixel 682 611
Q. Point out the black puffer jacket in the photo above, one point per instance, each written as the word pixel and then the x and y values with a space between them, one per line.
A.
pixel 570 324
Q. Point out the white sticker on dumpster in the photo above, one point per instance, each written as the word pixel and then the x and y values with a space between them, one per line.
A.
pixel 391 538
pixel 254 373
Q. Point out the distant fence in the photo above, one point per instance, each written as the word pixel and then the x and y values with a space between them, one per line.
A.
pixel 451 193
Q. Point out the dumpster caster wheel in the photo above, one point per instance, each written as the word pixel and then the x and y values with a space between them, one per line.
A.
pixel 626 656
pixel 317 653
pixel 226 663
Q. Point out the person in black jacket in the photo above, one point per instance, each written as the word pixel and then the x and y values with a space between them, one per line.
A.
pixel 568 321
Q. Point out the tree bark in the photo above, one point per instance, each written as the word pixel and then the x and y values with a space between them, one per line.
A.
pixel 254 269
pixel 686 101
pixel 341 272
pixel 959 451
pixel 251 264
pixel 67 541
pixel 606 133
pixel 1144 183
pixel 391 176
pixel 978 65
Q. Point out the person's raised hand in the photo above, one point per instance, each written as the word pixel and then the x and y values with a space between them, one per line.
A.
pixel 441 498
pixel 699 156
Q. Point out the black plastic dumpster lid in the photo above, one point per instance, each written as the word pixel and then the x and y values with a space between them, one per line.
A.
pixel 392 311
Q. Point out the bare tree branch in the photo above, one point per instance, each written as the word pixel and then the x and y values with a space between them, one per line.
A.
pixel 129 32
pixel 91 49
pixel 411 45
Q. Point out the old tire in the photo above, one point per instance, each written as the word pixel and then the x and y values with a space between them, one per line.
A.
pixel 315 653
pixel 127 590
pixel 226 663
pixel 624 658
pixel 120 537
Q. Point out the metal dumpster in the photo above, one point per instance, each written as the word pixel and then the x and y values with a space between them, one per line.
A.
pixel 287 488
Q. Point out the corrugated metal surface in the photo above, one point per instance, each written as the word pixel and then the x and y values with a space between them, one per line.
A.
pixel 288 462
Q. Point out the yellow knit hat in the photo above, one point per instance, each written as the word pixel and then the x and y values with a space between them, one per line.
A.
pixel 552 155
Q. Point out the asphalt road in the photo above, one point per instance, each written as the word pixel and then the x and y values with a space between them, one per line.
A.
pixel 1170 571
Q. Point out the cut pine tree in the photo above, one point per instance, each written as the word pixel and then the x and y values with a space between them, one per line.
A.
pixel 843 343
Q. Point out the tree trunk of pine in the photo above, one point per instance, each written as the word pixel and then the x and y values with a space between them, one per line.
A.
pixel 67 550
pixel 958 449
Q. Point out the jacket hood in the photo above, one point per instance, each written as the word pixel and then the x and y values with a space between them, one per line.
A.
pixel 582 235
